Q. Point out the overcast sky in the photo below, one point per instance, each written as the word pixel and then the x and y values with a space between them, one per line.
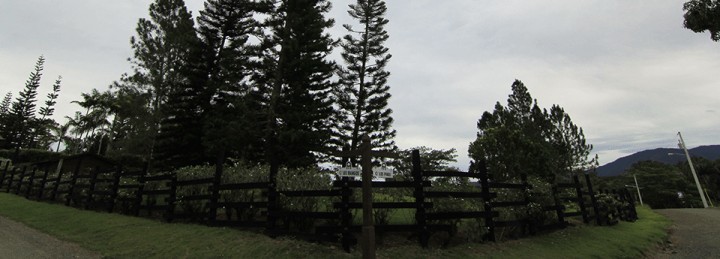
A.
pixel 625 71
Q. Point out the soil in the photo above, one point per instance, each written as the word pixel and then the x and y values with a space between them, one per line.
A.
pixel 695 233
pixel 19 241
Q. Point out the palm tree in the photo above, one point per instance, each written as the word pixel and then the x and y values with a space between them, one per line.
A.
pixel 60 132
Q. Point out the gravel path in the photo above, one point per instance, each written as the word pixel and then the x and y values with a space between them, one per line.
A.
pixel 695 233
pixel 18 241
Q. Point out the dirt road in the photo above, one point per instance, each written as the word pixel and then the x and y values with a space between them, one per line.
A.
pixel 695 233
pixel 19 241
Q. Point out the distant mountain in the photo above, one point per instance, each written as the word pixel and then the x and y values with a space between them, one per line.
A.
pixel 619 166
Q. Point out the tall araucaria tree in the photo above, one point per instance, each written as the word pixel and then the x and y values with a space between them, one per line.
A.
pixel 362 95
pixel 295 84
pixel 161 48
pixel 22 113
pixel 42 136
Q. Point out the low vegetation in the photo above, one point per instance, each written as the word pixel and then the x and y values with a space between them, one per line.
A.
pixel 118 236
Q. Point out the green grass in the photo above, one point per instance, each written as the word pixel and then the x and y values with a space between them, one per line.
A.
pixel 118 236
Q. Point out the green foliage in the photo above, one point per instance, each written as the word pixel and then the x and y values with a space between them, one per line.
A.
pixel 430 160
pixel 20 121
pixel 362 95
pixel 702 15
pixel 609 208
pixel 294 83
pixel 30 155
pixel 522 138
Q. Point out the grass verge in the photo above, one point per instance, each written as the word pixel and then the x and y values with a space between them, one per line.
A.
pixel 117 236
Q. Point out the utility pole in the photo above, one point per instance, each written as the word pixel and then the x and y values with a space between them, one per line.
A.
pixel 681 144
pixel 638 190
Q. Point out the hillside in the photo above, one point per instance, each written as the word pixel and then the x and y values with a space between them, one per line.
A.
pixel 619 166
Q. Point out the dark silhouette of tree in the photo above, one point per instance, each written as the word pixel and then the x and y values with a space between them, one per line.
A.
pixel 362 95
pixel 161 47
pixel 22 113
pixel 294 81
pixel 522 138
pixel 703 15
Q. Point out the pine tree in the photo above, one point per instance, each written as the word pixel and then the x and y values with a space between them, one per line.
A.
pixel 295 80
pixel 522 138
pixel 362 96
pixel 6 102
pixel 5 118
pixel 225 27
pixel 22 113
pixel 162 45
pixel 42 135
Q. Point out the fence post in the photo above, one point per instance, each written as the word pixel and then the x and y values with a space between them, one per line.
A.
pixel 215 192
pixel 4 173
pixel 529 223
pixel 420 213
pixel 481 167
pixel 581 200
pixel 19 183
pixel 73 180
pixel 91 188
pixel 631 201
pixel 43 181
pixel 598 220
pixel 141 189
pixel 11 179
pixel 272 206
pixel 30 183
pixel 559 207
pixel 347 237
pixel 170 213
pixel 115 189
pixel 53 196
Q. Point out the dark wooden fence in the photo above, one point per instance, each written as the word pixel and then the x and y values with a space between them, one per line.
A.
pixel 255 204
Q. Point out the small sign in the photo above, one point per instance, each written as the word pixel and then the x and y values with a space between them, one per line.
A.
pixel 383 172
pixel 349 172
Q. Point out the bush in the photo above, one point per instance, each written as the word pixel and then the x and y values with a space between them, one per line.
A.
pixel 304 179
pixel 609 208
pixel 30 155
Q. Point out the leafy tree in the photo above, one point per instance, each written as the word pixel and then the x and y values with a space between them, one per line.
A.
pixel 703 15
pixel 5 118
pixel 362 95
pixel 522 138
pixel 60 132
pixel 161 47
pixel 22 112
pixel 660 185
pixel 294 80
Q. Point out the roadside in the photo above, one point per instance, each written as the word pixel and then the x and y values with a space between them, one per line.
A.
pixel 695 233
pixel 18 241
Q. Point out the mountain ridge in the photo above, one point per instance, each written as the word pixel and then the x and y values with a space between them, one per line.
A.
pixel 618 167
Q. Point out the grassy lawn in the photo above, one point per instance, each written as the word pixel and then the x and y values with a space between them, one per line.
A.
pixel 118 236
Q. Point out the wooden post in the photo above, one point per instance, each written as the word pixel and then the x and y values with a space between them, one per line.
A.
pixel 215 190
pixel 581 200
pixel 91 188
pixel 559 207
pixel 20 181
pixel 141 189
pixel 73 180
pixel 4 173
pixel 420 213
pixel 31 181
pixel 368 229
pixel 481 168
pixel 11 179
pixel 115 189
pixel 170 213
pixel 43 181
pixel 346 217
pixel 598 220
pixel 59 174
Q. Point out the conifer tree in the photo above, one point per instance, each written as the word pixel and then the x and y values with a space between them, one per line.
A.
pixel 295 82
pixel 225 27
pixel 161 48
pixel 6 102
pixel 43 126
pixel 22 112
pixel 362 96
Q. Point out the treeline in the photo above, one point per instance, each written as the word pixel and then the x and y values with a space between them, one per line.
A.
pixel 251 80
pixel 670 186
